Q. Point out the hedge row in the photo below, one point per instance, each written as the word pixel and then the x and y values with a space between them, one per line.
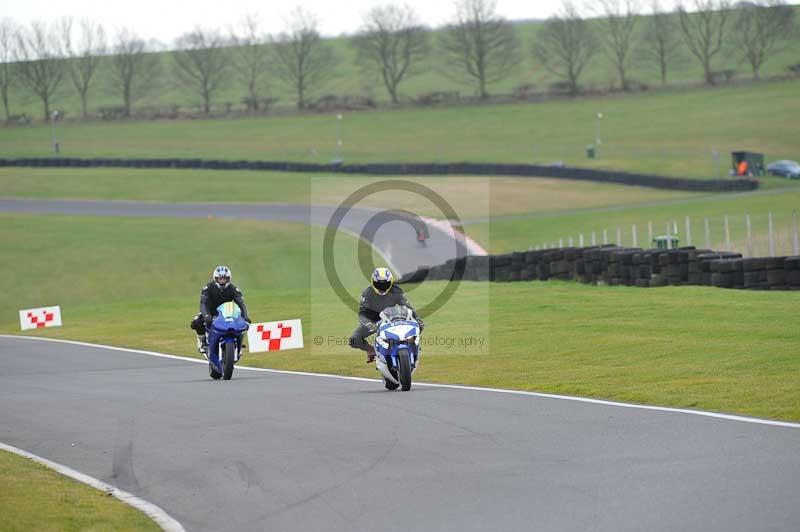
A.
pixel 475 169
pixel 612 265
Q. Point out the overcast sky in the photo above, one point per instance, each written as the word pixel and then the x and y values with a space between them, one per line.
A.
pixel 164 20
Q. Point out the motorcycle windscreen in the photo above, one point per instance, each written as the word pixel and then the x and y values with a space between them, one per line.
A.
pixel 229 310
pixel 397 312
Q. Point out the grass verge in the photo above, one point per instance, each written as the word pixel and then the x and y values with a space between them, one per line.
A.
pixel 33 497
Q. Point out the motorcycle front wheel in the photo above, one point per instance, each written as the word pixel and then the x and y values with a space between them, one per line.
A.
pixel 228 359
pixel 404 369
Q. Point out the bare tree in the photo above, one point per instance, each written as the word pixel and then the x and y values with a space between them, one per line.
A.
pixel 661 40
pixel 40 66
pixel 133 68
pixel 250 58
pixel 565 44
pixel 704 31
pixel 619 19
pixel 393 41
pixel 85 57
pixel 8 50
pixel 202 61
pixel 761 29
pixel 302 59
pixel 480 46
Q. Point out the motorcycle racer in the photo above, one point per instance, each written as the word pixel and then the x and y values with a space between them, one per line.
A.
pixel 381 293
pixel 218 291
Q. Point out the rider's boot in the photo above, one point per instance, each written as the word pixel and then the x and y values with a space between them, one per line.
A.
pixel 202 344
pixel 370 354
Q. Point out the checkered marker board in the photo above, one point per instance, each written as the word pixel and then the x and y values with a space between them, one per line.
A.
pixel 275 336
pixel 39 318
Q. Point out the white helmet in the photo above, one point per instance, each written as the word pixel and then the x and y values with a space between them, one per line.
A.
pixel 222 276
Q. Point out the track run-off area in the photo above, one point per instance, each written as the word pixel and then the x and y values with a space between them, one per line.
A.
pixel 277 450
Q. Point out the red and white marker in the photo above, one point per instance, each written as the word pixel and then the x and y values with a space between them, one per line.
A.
pixel 275 336
pixel 39 318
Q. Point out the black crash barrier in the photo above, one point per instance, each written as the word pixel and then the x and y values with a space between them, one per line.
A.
pixel 463 168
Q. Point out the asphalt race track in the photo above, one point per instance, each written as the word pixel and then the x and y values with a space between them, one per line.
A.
pixel 274 451
pixel 395 240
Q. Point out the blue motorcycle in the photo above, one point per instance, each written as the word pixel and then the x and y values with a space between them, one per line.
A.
pixel 397 347
pixel 225 337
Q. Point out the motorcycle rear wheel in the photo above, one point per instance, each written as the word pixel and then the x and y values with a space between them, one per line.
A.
pixel 389 384
pixel 214 374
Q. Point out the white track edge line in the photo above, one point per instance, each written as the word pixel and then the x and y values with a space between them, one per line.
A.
pixel 716 415
pixel 161 518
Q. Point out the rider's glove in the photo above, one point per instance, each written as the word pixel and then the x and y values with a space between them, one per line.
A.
pixel 207 319
pixel 373 327
pixel 421 324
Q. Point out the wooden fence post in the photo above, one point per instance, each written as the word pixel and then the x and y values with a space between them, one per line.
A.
pixel 771 238
pixel 727 234
pixel 668 235
pixel 749 235
pixel 688 231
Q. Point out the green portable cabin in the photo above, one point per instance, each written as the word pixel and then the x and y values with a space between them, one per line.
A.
pixel 755 162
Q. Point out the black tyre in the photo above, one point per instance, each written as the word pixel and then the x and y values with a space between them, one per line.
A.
pixel 228 359
pixel 214 374
pixel 389 384
pixel 404 369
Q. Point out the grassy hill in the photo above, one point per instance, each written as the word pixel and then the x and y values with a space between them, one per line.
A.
pixel 668 133
pixel 349 79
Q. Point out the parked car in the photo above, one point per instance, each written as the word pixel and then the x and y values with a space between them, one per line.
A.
pixel 789 169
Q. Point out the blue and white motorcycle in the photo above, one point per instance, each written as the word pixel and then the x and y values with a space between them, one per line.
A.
pixel 225 337
pixel 397 347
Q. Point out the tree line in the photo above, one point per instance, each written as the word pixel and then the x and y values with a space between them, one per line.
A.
pixel 477 48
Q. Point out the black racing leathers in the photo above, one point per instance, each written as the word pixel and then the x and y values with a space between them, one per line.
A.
pixel 212 296
pixel 369 311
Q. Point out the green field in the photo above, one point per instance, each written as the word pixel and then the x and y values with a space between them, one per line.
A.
pixel 348 79
pixel 32 497
pixel 671 133
pixel 512 214
pixel 544 229
pixel 728 351
pixel 497 195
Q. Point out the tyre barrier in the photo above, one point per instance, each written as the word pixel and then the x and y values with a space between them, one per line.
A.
pixel 616 266
pixel 471 169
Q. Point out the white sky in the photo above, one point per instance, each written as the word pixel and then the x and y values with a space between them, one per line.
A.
pixel 164 20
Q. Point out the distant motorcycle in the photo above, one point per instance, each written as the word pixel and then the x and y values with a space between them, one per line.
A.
pixel 397 347
pixel 225 337
pixel 422 238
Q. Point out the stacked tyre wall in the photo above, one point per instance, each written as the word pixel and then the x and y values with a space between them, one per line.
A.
pixel 612 265
pixel 475 169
